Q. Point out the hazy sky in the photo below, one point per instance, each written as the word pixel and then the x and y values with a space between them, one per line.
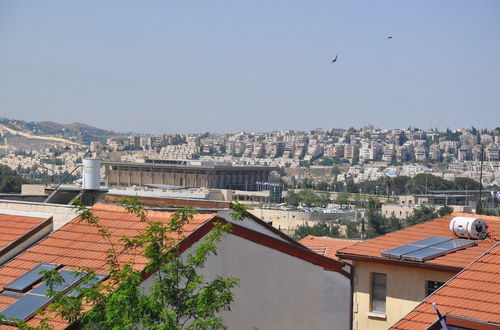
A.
pixel 192 66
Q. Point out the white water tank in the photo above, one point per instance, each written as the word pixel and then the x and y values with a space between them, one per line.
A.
pixel 469 227
pixel 91 174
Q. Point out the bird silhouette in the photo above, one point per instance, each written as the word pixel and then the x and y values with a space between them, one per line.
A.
pixel 389 37
pixel 335 59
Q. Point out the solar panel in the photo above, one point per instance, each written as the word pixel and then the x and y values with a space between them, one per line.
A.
pixel 424 254
pixel 69 277
pixel 399 251
pixel 25 307
pixel 428 248
pixel 458 243
pixel 431 241
pixel 76 293
pixel 26 281
pixel 415 246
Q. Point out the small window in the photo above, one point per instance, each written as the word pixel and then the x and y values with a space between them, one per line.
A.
pixel 433 286
pixel 378 294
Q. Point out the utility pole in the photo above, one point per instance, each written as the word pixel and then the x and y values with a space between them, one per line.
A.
pixel 479 207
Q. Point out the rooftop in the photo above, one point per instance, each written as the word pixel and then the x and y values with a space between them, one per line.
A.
pixel 14 225
pixel 453 261
pixel 77 245
pixel 473 294
pixel 326 246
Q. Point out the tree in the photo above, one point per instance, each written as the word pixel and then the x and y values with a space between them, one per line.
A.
pixel 342 198
pixel 350 186
pixel 322 186
pixel 10 181
pixel 292 198
pixel 318 229
pixel 445 210
pixel 352 230
pixel 463 183
pixel 180 296
pixel 376 222
pixel 421 214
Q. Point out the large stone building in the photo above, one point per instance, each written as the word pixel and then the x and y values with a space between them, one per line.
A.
pixel 186 174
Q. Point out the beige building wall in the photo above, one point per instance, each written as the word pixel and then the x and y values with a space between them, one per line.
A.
pixel 62 214
pixel 405 288
pixel 288 221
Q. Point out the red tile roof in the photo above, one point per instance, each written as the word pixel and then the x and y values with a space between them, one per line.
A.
pixel 13 227
pixel 371 249
pixel 326 246
pixel 77 245
pixel 474 293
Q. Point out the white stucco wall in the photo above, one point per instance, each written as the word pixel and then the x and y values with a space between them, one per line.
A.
pixel 278 291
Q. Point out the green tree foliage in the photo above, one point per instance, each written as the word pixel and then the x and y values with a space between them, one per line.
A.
pixel 335 170
pixel 445 210
pixel 307 197
pixel 180 296
pixel 322 186
pixel 343 198
pixel 352 230
pixel 462 183
pixel 292 198
pixel 421 214
pixel 318 229
pixel 351 187
pixel 376 223
pixel 399 184
pixel 10 181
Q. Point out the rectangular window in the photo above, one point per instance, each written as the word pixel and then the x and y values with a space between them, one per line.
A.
pixel 378 293
pixel 433 286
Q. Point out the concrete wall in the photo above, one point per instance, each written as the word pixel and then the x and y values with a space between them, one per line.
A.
pixel 61 214
pixel 287 221
pixel 278 291
pixel 405 288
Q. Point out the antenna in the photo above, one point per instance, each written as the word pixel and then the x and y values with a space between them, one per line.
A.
pixel 479 207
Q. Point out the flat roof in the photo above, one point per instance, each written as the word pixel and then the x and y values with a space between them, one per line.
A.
pixel 191 166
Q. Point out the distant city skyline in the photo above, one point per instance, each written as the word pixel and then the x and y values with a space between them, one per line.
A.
pixel 165 67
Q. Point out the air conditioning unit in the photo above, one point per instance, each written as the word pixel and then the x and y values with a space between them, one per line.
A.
pixel 468 227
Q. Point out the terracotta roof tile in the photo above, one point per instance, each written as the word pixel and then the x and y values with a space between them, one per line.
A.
pixel 473 293
pixel 13 227
pixel 326 246
pixel 439 227
pixel 78 245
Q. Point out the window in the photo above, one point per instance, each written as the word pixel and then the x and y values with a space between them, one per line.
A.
pixel 433 286
pixel 378 293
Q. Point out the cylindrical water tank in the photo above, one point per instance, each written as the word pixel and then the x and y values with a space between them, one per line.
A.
pixel 468 227
pixel 91 174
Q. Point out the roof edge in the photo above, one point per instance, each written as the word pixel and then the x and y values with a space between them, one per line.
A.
pixel 358 257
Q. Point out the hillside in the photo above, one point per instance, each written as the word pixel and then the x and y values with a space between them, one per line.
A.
pixel 21 131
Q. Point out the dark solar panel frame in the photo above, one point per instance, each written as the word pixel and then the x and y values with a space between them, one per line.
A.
pixel 30 278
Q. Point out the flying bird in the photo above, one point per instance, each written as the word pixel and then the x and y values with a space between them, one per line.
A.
pixel 335 59
pixel 389 37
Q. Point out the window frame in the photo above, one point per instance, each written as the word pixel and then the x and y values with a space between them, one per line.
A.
pixel 374 295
